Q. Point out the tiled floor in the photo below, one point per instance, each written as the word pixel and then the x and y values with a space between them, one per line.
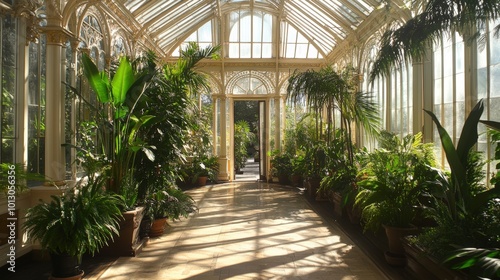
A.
pixel 248 230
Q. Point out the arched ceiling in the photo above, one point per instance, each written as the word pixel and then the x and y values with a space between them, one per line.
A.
pixel 325 22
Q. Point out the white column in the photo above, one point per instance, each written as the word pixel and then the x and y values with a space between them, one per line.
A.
pixel 21 153
pixel 72 81
pixel 54 161
pixel 230 133
pixel 223 160
pixel 277 122
pixel 418 93
pixel 428 97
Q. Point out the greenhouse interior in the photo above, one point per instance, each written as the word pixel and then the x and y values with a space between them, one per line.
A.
pixel 250 139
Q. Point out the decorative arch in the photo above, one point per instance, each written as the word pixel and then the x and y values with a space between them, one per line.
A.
pixel 256 81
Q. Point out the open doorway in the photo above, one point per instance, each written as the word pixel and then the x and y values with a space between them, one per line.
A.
pixel 247 140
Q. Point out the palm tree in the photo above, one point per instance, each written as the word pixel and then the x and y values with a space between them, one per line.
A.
pixel 411 40
pixel 329 89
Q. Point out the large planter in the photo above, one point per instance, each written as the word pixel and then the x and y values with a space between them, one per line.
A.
pixel 65 267
pixel 283 179
pixel 127 243
pixel 337 204
pixel 313 186
pixel 296 180
pixel 158 227
pixel 422 266
pixel 396 253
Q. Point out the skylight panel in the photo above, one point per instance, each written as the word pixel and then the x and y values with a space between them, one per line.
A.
pixel 362 6
pixel 153 10
pixel 133 5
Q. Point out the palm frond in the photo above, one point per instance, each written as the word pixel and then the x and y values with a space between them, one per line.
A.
pixel 411 40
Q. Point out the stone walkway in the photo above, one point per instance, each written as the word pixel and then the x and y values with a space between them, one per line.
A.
pixel 248 230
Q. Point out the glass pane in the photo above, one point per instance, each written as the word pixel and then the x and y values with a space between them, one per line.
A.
pixel 495 81
pixel 257 51
pixel 267 50
pixel 245 50
pixel 245 29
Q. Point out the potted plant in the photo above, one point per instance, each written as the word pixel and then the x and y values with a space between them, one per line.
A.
pixel 282 166
pixel 466 212
pixel 205 168
pixel 170 203
pixel 82 220
pixel 392 191
pixel 242 137
pixel 297 169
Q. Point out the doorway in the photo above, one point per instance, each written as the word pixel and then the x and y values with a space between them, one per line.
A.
pixel 249 140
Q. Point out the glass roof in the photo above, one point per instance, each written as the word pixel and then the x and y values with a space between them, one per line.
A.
pixel 324 23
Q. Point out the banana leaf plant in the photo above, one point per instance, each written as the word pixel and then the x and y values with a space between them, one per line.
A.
pixel 456 188
pixel 121 94
pixel 458 199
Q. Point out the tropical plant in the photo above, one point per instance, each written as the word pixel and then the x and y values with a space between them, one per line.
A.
pixel 395 180
pixel 242 137
pixel 121 128
pixel 14 177
pixel 181 129
pixel 171 202
pixel 413 39
pixel 467 214
pixel 341 172
pixel 81 220
pixel 205 166
pixel 335 91
pixel 281 163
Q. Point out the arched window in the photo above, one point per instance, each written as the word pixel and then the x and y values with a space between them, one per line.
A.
pixel 250 83
pixel 250 34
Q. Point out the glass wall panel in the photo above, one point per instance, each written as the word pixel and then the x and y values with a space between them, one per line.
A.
pixel 36 106
pixel 449 89
pixel 8 67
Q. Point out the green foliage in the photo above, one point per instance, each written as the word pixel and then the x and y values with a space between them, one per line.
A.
pixel 122 93
pixel 13 178
pixel 242 137
pixel 281 163
pixel 82 220
pixel 171 203
pixel 337 92
pixel 394 181
pixel 466 212
pixel 412 39
pixel 205 165
pixel 341 172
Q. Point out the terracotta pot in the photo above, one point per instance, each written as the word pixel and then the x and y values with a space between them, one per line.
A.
pixel 127 243
pixel 201 181
pixel 158 227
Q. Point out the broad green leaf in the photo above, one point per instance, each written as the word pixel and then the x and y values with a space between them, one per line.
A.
pixel 492 124
pixel 98 81
pixel 468 137
pixel 456 166
pixel 122 81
